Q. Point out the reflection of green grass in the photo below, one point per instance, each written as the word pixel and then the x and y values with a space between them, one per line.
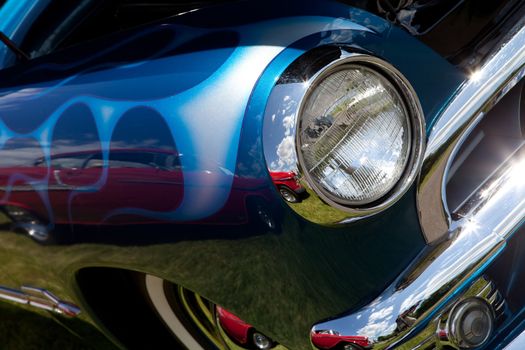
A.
pixel 283 282
pixel 317 211
pixel 3 218
pixel 253 267
pixel 264 272
pixel 24 329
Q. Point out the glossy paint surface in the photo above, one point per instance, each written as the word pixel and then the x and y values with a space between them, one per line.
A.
pixel 86 135
pixel 16 18
pixel 97 104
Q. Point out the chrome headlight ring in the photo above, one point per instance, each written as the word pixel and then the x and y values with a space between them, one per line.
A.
pixel 306 129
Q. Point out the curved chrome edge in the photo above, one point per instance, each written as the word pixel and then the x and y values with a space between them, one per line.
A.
pixel 487 220
pixel 39 298
pixel 442 330
pixel 484 89
pixel 157 296
pixel 280 124
pixel 517 343
pixel 461 248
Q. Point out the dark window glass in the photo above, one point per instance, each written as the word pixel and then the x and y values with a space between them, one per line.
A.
pixel 167 161
pixel 131 160
pixel 67 162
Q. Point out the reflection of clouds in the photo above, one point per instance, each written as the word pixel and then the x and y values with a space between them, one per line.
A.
pixel 385 314
pixel 19 152
pixel 72 146
pixel 24 156
pixel 288 124
pixel 376 301
pixel 286 155
pixel 445 268
pixel 379 323
pixel 412 300
pixel 376 330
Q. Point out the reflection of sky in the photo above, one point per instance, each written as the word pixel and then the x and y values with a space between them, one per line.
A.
pixel 20 152
pixel 480 232
pixel 473 243
pixel 279 145
pixel 379 318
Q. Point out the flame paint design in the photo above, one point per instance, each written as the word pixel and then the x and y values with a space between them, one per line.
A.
pixel 204 117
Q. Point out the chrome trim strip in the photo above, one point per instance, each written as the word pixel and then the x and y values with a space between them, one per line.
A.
pixel 157 295
pixel 486 221
pixel 484 89
pixel 461 247
pixel 284 109
pixel 39 298
pixel 517 343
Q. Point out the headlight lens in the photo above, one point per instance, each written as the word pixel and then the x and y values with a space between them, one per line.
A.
pixel 354 135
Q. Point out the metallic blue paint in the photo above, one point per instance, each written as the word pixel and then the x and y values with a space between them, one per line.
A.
pixel 203 111
pixel 17 16
pixel 207 86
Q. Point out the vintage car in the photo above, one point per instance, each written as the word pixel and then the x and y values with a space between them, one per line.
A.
pixel 215 174
pixel 86 191
pixel 288 185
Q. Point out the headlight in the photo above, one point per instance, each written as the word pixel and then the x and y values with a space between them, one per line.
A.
pixel 354 135
pixel 351 126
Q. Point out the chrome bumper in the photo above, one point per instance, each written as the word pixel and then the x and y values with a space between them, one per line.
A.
pixel 518 343
pixel 461 244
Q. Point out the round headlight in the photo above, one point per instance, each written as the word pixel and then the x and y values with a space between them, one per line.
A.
pixel 354 135
pixel 351 127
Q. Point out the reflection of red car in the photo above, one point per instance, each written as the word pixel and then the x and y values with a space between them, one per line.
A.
pixel 138 178
pixel 241 332
pixel 332 339
pixel 288 185
pixel 130 187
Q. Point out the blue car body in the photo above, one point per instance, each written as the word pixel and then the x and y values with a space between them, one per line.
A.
pixel 198 85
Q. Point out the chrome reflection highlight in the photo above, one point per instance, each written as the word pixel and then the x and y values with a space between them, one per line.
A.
pixel 471 323
pixel 485 88
pixel 351 127
pixel 353 135
pixel 466 323
pixel 262 342
pixel 480 229
pixel 461 243
pixel 39 298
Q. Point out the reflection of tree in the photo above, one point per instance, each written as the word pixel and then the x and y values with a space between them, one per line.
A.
pixel 409 317
pixel 316 128
pixel 435 297
pixel 423 264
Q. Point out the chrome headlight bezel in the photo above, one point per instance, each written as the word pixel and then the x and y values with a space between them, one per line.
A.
pixel 296 87
pixel 314 85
